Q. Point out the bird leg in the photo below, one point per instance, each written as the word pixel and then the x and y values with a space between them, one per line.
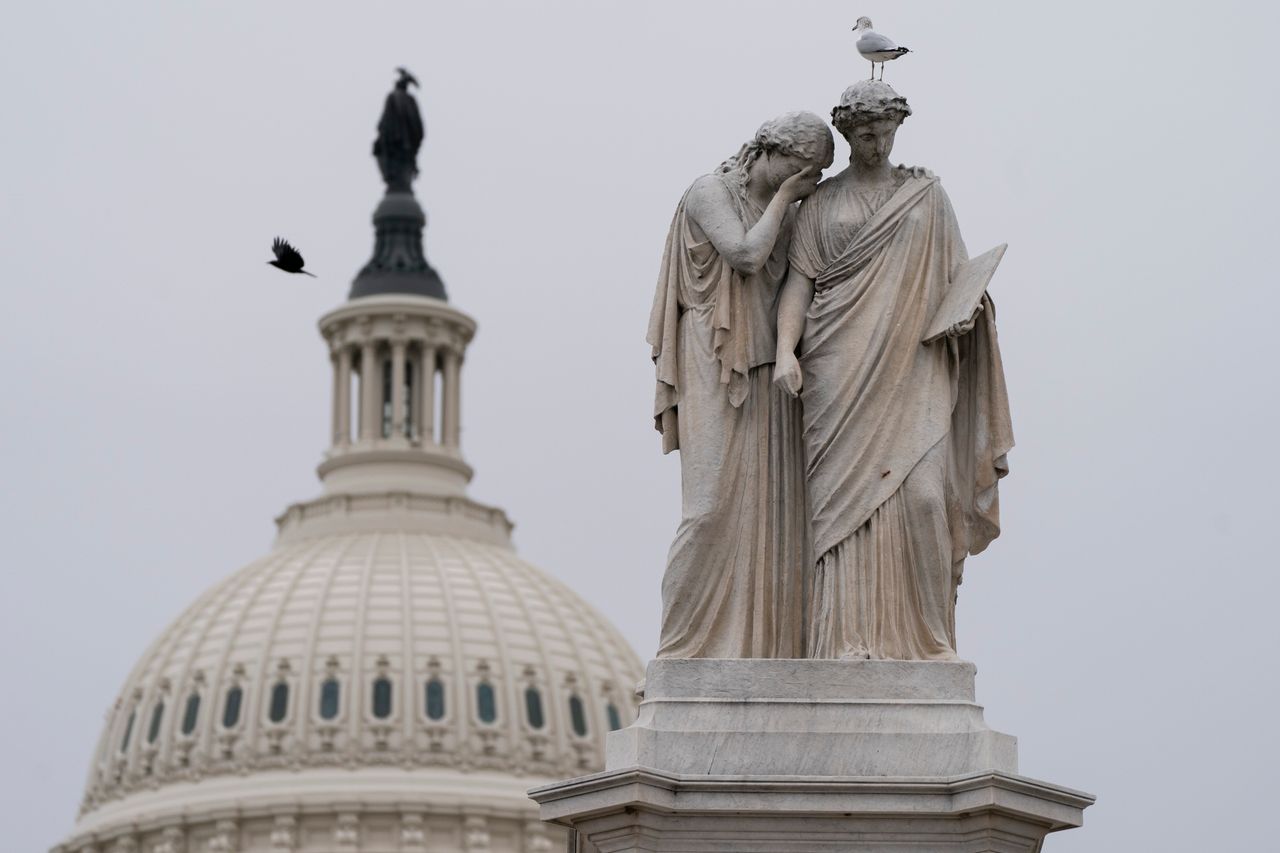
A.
pixel 873 69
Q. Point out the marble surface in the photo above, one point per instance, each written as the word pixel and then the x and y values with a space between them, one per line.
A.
pixel 810 755
pixel 638 809
pixel 811 718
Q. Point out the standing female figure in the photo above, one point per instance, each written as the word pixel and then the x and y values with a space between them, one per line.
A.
pixel 734 584
pixel 905 440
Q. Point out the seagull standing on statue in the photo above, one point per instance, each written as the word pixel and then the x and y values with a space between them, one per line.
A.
pixel 875 47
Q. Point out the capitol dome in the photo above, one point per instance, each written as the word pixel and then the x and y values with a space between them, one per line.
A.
pixel 391 676
pixel 384 666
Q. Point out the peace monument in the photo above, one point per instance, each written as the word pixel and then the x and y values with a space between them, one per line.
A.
pixel 830 373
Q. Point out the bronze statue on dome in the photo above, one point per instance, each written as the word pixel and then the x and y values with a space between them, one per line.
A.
pixel 400 134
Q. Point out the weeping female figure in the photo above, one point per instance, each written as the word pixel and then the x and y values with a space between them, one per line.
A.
pixel 734 584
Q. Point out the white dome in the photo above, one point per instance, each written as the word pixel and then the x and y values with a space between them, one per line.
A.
pixel 391 677
pixel 339 654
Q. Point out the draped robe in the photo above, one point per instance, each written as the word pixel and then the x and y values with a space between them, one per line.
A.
pixel 905 441
pixel 733 586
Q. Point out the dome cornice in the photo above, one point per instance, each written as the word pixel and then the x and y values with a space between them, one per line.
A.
pixel 405 511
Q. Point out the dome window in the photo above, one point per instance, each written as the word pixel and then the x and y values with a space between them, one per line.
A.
pixel 157 716
pixel 533 707
pixel 128 732
pixel 231 708
pixel 578 716
pixel 382 697
pixel 435 699
pixel 615 719
pixel 279 702
pixel 330 693
pixel 486 702
pixel 191 714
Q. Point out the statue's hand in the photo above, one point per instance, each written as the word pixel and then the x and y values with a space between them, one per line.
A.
pixel 916 171
pixel 801 184
pixel 967 326
pixel 787 375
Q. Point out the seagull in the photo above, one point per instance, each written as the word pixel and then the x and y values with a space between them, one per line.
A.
pixel 287 258
pixel 875 47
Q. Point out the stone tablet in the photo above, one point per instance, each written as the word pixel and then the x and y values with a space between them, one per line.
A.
pixel 970 282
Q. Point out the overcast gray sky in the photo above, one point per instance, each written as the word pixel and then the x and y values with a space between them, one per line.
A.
pixel 165 393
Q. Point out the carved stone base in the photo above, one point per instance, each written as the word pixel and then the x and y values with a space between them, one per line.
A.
pixel 774 755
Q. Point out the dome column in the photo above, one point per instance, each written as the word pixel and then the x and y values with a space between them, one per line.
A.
pixel 398 431
pixel 370 392
pixel 425 389
pixel 451 427
pixel 341 394
pixel 409 431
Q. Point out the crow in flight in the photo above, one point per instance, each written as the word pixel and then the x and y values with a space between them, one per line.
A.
pixel 287 258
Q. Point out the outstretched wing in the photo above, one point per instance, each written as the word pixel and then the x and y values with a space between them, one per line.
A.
pixel 288 256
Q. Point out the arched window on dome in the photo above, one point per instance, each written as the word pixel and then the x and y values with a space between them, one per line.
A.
pixel 157 717
pixel 435 699
pixel 330 698
pixel 128 731
pixel 191 714
pixel 577 716
pixel 486 702
pixel 231 707
pixel 279 707
pixel 615 719
pixel 533 708
pixel 382 697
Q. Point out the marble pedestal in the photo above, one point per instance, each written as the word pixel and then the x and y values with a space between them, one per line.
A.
pixel 801 755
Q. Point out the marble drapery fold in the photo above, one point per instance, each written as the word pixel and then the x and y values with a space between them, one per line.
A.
pixel 905 442
pixel 734 584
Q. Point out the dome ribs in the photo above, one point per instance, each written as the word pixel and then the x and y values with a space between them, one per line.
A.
pixel 552 711
pixel 358 694
pixel 409 688
pixel 264 675
pixel 455 605
pixel 507 709
pixel 313 676
pixel 455 709
pixel 186 681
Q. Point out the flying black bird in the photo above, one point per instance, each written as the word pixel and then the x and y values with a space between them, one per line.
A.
pixel 287 258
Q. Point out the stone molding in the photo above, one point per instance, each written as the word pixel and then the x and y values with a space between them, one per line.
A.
pixel 644 809
pixel 397 317
pixel 420 513
pixel 807 756
pixel 324 825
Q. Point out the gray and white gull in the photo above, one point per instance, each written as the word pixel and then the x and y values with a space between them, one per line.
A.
pixel 875 47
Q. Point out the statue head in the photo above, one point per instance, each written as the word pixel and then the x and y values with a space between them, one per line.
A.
pixel 866 101
pixel 406 79
pixel 867 117
pixel 782 147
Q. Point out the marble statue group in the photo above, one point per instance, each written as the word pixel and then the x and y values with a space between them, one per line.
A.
pixel 829 374
pixel 828 369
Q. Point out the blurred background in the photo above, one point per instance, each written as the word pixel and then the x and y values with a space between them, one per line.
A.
pixel 165 392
